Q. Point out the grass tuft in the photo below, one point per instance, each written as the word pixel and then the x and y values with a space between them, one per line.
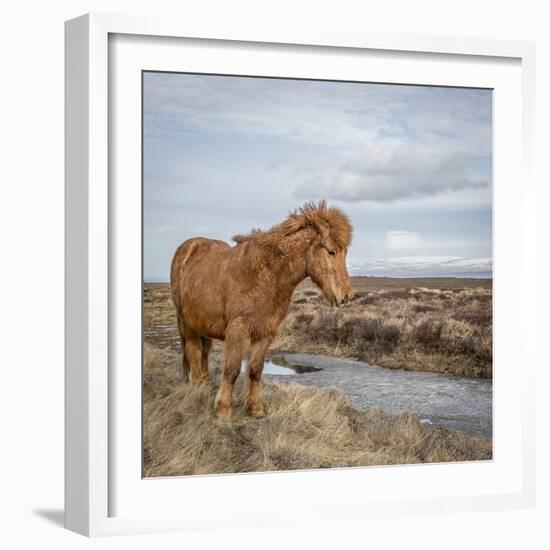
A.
pixel 306 428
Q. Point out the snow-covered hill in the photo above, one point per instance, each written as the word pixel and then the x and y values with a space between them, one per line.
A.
pixel 422 266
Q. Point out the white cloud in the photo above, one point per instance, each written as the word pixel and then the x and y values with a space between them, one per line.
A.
pixel 388 174
pixel 350 142
pixel 402 240
pixel 264 108
pixel 332 114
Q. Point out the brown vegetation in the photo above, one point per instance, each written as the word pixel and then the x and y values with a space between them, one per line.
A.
pixel 306 428
pixel 439 325
pixel 442 329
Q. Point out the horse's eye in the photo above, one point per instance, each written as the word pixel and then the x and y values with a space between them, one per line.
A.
pixel 331 252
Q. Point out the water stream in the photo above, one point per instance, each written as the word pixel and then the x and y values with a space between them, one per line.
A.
pixel 437 399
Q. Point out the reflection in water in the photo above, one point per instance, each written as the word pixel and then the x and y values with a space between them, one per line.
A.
pixel 272 368
pixel 288 369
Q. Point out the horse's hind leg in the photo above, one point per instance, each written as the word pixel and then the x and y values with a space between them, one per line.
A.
pixel 206 345
pixel 256 360
pixel 192 351
pixel 237 339
pixel 185 362
pixel 193 354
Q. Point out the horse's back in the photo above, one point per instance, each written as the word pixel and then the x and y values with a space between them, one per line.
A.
pixel 189 252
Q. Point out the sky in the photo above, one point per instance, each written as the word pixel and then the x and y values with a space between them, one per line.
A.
pixel 410 165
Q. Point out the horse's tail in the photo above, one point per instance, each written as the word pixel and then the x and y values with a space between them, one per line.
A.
pixel 175 276
pixel 185 361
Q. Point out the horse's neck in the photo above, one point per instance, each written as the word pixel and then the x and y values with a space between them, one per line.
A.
pixel 290 274
pixel 289 270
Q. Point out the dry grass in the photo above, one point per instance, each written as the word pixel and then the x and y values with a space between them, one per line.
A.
pixel 306 428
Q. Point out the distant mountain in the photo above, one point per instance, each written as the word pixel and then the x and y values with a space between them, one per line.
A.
pixel 422 266
pixel 408 266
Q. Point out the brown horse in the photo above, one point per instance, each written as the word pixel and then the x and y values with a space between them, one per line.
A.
pixel 241 294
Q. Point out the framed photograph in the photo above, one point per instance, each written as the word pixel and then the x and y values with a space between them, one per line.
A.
pixel 297 276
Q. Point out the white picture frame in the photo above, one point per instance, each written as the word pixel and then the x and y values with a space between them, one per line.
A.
pixel 100 413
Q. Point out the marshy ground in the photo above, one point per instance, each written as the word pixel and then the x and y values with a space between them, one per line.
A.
pixel 432 325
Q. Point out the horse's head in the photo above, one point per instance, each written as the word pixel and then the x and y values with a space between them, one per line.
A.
pixel 326 257
pixel 326 265
pixel 323 233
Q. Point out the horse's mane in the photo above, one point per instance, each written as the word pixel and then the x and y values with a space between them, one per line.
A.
pixel 330 222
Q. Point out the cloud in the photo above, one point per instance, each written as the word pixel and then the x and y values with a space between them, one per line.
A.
pixel 331 114
pixel 390 174
pixel 342 141
pixel 402 240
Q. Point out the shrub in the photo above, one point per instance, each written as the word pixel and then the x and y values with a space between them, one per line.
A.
pixel 428 332
pixel 395 295
pixel 421 308
pixel 475 317
pixel 388 337
pixel 347 331
pixel 473 346
pixel 302 321
pixel 304 318
pixel 325 328
pixel 368 333
pixel 366 328
pixel 358 295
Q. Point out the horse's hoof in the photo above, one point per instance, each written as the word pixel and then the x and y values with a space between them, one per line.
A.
pixel 201 382
pixel 256 412
pixel 223 413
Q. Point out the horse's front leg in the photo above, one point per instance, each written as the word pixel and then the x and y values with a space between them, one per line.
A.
pixel 256 360
pixel 237 340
